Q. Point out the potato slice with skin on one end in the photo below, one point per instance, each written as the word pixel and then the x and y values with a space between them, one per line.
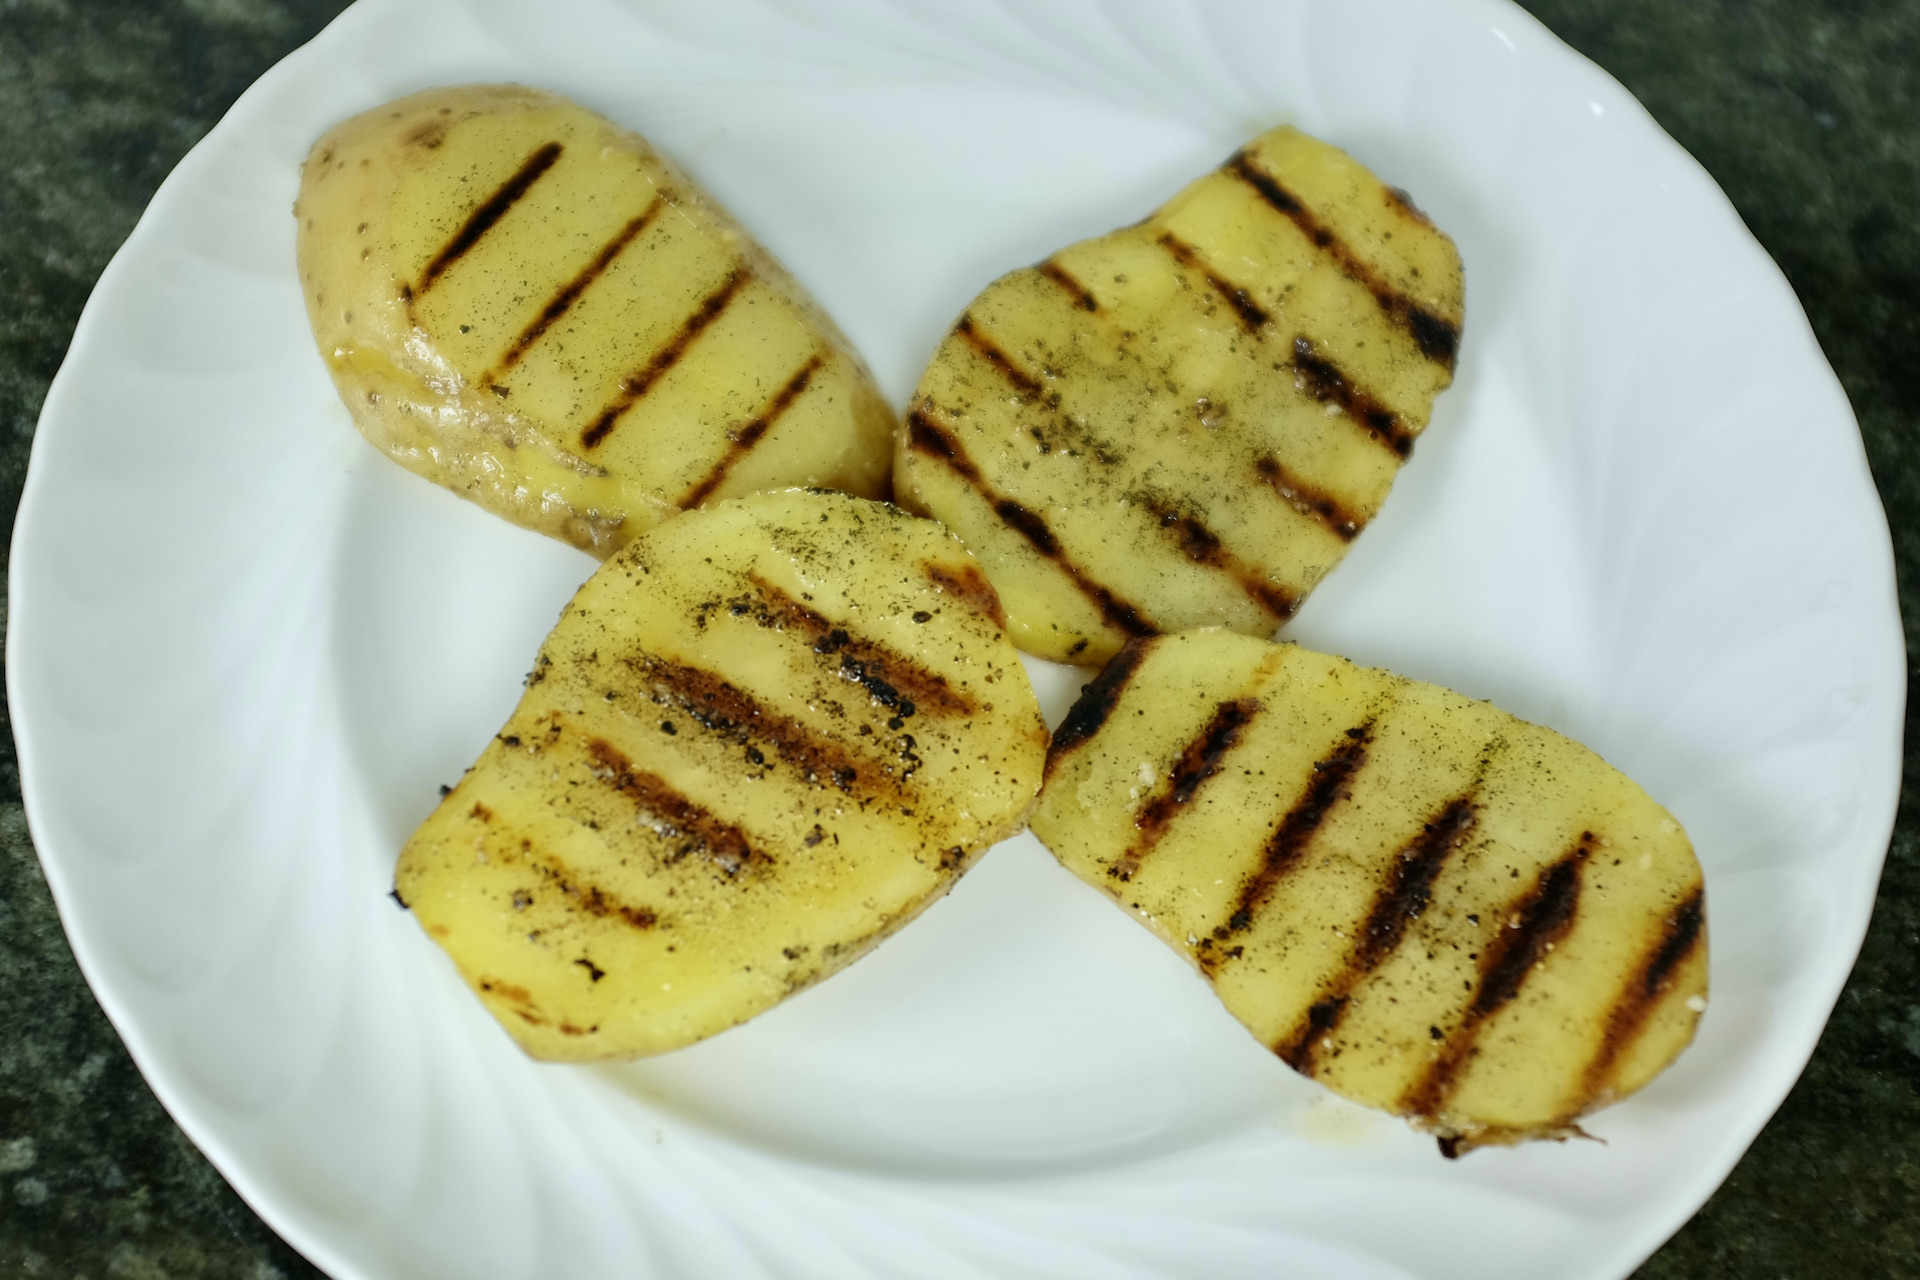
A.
pixel 1184 423
pixel 524 303
pixel 761 738
pixel 1426 904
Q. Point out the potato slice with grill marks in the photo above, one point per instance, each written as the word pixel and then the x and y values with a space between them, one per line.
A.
pixel 1184 423
pixel 761 738
pixel 526 304
pixel 1426 904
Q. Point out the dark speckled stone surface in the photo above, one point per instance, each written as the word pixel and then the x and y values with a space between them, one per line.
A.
pixel 1806 111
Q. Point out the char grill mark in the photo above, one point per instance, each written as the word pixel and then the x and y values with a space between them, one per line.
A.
pixel 1097 701
pixel 517 997
pixel 1325 382
pixel 1644 991
pixel 1400 202
pixel 1070 433
pixel 1437 338
pixel 737 717
pixel 1081 296
pixel 1251 313
pixel 1322 1016
pixel 892 679
pixel 1534 925
pixel 570 293
pixel 589 897
pixel 1198 762
pixel 1409 889
pixel 688 827
pixel 926 438
pixel 970 587
pixel 1340 520
pixel 491 210
pixel 1203 546
pixel 989 350
pixel 635 385
pixel 1401 901
pixel 1331 783
pixel 742 439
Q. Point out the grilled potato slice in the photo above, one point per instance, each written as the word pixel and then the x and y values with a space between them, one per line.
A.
pixel 761 738
pixel 1184 423
pixel 1420 901
pixel 523 302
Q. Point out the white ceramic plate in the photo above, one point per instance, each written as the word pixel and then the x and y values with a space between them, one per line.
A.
pixel 245 649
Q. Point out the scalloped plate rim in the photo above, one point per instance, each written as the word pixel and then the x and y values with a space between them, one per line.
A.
pixel 33 523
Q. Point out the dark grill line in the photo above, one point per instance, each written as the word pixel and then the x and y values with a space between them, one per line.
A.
pixel 1328 785
pixel 563 301
pixel 1643 992
pixel 970 587
pixel 1203 546
pixel 481 220
pixel 1198 762
pixel 1437 338
pixel 1409 889
pixel 741 440
pixel 1082 298
pixel 1097 701
pixel 926 438
pixel 635 385
pixel 892 679
pixel 590 898
pixel 1251 313
pixel 990 351
pixel 1545 916
pixel 1197 542
pixel 518 999
pixel 688 826
pixel 738 718
pixel 1070 433
pixel 1401 901
pixel 1340 520
pixel 1325 382
pixel 1402 203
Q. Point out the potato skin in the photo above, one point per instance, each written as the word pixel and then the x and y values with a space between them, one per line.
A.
pixel 1186 422
pixel 761 738
pixel 524 303
pixel 1422 902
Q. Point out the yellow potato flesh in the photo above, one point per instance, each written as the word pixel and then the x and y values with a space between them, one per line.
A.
pixel 760 739
pixel 1185 422
pixel 1426 904
pixel 526 304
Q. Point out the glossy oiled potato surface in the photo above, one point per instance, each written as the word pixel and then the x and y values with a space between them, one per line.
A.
pixel 1185 422
pixel 1420 901
pixel 761 738
pixel 525 303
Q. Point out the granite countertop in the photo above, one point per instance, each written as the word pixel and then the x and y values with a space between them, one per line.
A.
pixel 1807 112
